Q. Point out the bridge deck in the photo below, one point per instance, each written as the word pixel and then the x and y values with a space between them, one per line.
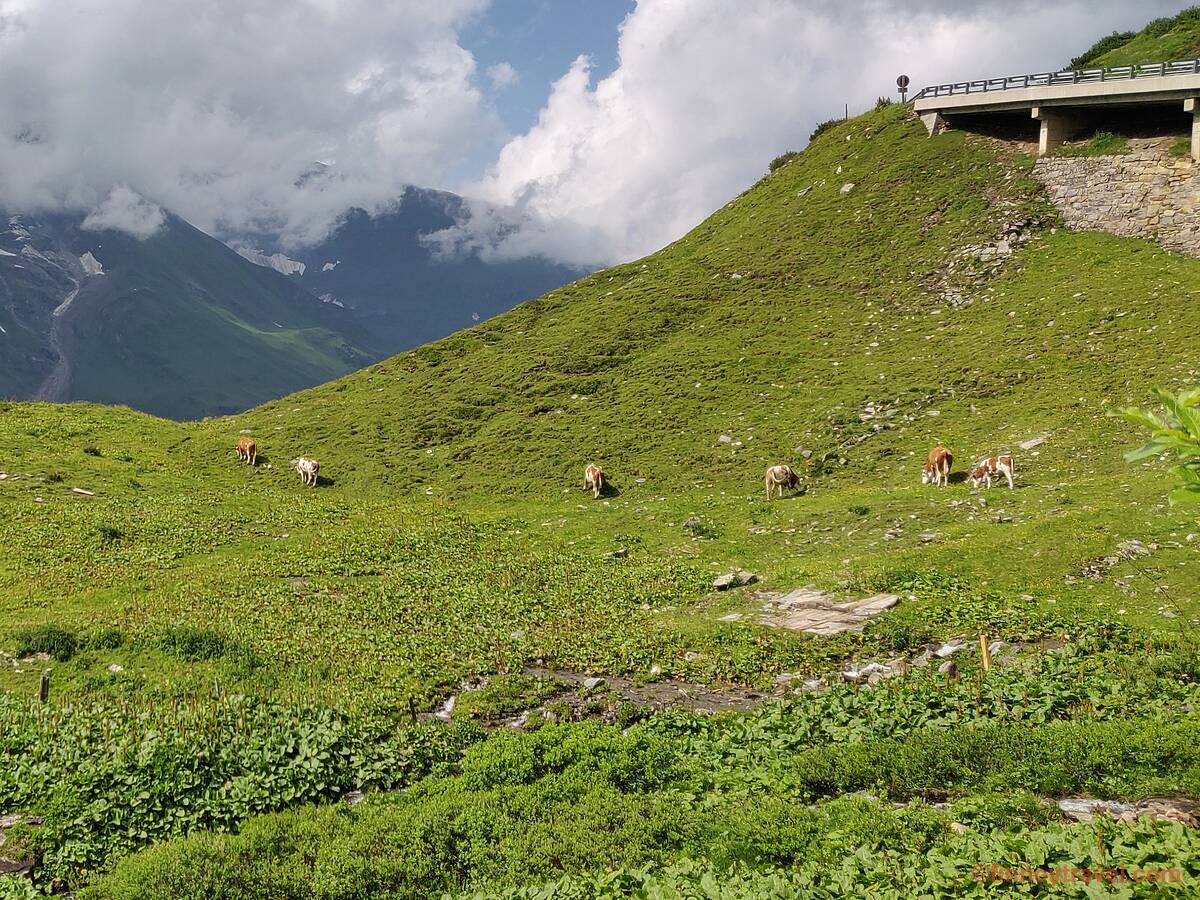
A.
pixel 1052 97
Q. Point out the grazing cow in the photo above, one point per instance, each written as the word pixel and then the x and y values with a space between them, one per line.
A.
pixel 993 467
pixel 937 467
pixel 593 479
pixel 778 478
pixel 307 467
pixel 247 450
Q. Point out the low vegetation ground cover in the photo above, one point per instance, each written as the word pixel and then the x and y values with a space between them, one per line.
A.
pixel 229 644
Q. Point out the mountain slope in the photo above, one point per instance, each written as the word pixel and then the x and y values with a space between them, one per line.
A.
pixel 380 268
pixel 1163 40
pixel 244 644
pixel 176 324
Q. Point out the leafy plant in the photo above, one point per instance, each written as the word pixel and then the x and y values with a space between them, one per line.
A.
pixel 1175 432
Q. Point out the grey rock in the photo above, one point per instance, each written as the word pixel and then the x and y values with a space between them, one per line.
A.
pixel 592 683
pixel 949 649
pixel 1082 809
pixel 724 582
pixel 745 578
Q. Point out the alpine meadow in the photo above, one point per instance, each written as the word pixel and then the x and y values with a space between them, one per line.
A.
pixel 447 670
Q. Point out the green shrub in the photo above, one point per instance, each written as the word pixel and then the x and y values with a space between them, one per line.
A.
pixel 107 638
pixel 823 127
pixel 60 643
pixel 192 644
pixel 782 160
pixel 109 780
pixel 1102 46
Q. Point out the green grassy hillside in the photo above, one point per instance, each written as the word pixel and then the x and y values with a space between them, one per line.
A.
pixel 224 643
pixel 1169 38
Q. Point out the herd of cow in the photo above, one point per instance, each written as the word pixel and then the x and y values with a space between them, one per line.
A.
pixel 778 478
pixel 305 466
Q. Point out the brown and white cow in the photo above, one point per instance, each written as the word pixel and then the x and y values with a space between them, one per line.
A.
pixel 308 468
pixel 778 478
pixel 247 450
pixel 593 479
pixel 993 467
pixel 937 467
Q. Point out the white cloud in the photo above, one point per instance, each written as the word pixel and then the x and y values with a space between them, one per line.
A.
pixel 217 110
pixel 708 91
pixel 502 76
pixel 125 210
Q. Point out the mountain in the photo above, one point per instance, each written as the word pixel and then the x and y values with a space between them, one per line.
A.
pixel 177 324
pixel 380 268
pixel 182 326
pixel 235 659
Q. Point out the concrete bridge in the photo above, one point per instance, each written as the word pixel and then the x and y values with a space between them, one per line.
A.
pixel 1066 103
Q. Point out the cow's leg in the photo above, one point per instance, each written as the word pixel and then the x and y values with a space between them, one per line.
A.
pixel 1009 475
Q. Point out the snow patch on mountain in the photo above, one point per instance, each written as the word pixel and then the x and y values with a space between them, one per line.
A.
pixel 329 267
pixel 277 261
pixel 329 298
pixel 4 252
pixel 91 265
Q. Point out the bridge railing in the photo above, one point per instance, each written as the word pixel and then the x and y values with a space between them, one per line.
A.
pixel 1049 79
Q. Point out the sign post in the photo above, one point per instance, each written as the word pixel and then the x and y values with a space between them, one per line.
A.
pixel 902 83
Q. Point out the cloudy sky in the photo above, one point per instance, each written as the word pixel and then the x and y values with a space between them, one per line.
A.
pixel 604 128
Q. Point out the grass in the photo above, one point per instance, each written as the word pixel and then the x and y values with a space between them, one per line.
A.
pixel 1163 40
pixel 1102 143
pixel 451 540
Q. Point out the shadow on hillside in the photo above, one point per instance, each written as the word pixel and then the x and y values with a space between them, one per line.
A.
pixel 958 477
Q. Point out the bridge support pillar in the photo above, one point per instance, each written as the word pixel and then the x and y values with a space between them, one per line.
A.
pixel 1193 106
pixel 934 122
pixel 1058 125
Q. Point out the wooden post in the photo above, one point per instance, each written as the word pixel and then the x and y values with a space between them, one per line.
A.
pixel 412 710
pixel 983 649
pixel 44 688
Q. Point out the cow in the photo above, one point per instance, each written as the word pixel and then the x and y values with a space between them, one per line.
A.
pixel 937 467
pixel 993 467
pixel 593 479
pixel 778 478
pixel 247 450
pixel 307 467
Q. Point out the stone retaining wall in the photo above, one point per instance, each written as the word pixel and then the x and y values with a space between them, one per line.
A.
pixel 1145 193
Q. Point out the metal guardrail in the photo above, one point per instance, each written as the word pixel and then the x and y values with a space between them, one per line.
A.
pixel 1049 79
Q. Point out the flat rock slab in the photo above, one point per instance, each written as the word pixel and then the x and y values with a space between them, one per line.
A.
pixel 1161 809
pixel 814 611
